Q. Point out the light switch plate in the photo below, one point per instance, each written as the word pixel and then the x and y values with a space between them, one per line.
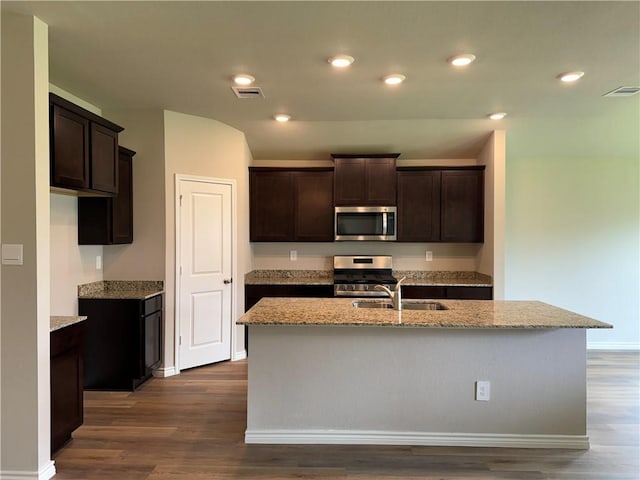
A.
pixel 12 254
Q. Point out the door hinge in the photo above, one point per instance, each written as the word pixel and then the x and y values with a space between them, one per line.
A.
pixel 180 340
pixel 181 270
pixel 180 199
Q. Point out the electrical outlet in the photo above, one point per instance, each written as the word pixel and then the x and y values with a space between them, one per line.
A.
pixel 98 262
pixel 293 255
pixel 483 390
pixel 428 256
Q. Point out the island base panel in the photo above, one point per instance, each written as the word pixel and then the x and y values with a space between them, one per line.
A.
pixel 416 386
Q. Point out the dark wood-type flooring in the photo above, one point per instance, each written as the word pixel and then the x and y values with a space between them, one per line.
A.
pixel 191 426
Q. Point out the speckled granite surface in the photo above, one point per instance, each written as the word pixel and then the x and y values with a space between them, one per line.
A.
pixel 58 322
pixel 325 277
pixel 461 314
pixel 125 289
pixel 289 277
pixel 444 278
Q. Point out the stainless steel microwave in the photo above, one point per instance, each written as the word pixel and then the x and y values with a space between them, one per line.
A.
pixel 365 223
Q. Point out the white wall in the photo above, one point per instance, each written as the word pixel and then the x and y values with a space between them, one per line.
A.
pixel 25 220
pixel 144 258
pixel 406 256
pixel 71 264
pixel 490 260
pixel 203 147
pixel 573 239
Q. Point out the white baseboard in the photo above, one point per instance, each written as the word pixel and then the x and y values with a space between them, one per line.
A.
pixel 45 473
pixel 613 346
pixel 365 437
pixel 241 355
pixel 165 372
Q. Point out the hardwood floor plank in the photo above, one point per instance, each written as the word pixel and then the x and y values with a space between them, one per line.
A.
pixel 191 426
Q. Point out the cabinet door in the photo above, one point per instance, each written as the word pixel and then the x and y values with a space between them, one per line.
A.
pixel 104 159
pixel 69 149
pixel 418 206
pixel 271 206
pixel 66 384
pixel 152 342
pixel 462 200
pixel 313 206
pixel 350 181
pixel 122 203
pixel 381 182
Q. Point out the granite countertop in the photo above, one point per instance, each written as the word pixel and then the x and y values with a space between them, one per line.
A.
pixel 289 277
pixel 460 314
pixel 58 322
pixel 325 277
pixel 121 289
pixel 443 278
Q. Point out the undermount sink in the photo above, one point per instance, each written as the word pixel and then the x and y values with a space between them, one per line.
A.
pixel 406 305
pixel 371 304
pixel 423 306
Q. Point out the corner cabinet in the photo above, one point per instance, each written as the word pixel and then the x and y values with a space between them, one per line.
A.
pixel 438 204
pixel 84 148
pixel 291 205
pixel 123 341
pixel 365 179
pixel 109 220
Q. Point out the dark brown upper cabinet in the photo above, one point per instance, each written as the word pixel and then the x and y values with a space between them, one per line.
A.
pixel 365 179
pixel 462 208
pixel 419 206
pixel 109 220
pixel 291 205
pixel 438 204
pixel 84 149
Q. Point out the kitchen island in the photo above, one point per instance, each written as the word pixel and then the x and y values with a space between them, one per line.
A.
pixel 324 372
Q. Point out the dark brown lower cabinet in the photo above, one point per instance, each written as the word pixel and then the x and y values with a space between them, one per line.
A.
pixel 123 341
pixel 253 293
pixel 444 292
pixel 66 347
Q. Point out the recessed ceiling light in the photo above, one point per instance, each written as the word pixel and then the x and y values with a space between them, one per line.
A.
pixel 243 79
pixel 462 60
pixel 341 61
pixel 570 76
pixel 394 79
pixel 497 116
pixel 282 117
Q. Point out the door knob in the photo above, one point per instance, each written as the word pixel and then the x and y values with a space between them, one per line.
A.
pixel 227 281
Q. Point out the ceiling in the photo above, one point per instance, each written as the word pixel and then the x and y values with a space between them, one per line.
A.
pixel 181 56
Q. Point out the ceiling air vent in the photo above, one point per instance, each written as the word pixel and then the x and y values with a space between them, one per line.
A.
pixel 622 92
pixel 248 92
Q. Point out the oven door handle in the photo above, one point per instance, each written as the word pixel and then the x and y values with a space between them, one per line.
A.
pixel 384 223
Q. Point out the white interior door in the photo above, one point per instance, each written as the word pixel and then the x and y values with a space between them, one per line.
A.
pixel 205 276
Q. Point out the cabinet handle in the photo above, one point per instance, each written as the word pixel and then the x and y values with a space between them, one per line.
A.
pixel 227 281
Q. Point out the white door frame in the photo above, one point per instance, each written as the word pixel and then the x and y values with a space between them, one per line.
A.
pixel 234 260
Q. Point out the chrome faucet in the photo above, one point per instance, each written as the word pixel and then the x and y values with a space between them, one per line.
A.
pixel 395 296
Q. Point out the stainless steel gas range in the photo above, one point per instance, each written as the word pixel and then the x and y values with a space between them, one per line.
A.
pixel 357 276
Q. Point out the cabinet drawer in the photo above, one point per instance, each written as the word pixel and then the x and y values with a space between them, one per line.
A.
pixel 66 338
pixel 152 304
pixel 470 293
pixel 417 291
